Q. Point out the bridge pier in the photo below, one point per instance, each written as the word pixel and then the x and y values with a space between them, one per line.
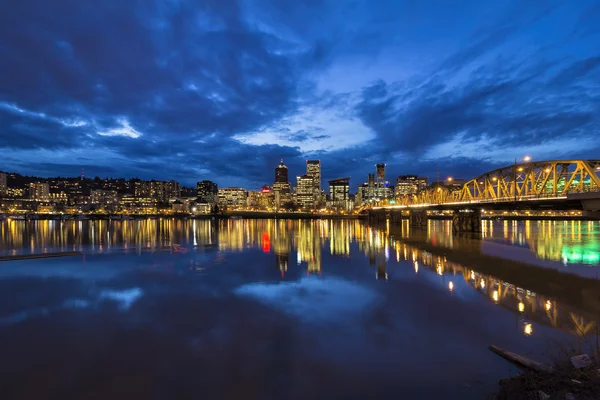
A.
pixel 418 218
pixel 466 221
pixel 377 215
pixel 396 216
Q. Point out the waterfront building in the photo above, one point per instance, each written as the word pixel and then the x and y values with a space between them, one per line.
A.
pixel 313 169
pixel 207 191
pixel 281 173
pixel 339 195
pixel 282 190
pixel 409 184
pixel 380 174
pixel 104 197
pixel 305 193
pixel 232 198
pixel 39 191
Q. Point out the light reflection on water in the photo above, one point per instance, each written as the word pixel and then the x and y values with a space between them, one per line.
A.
pixel 357 292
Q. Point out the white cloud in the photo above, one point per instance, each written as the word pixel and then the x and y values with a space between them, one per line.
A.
pixel 339 131
pixel 124 130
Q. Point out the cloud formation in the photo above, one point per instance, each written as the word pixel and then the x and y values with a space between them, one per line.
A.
pixel 223 89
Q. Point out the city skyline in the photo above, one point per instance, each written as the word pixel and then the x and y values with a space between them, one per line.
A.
pixel 224 89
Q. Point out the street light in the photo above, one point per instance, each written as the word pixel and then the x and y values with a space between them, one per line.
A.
pixel 449 179
pixel 526 158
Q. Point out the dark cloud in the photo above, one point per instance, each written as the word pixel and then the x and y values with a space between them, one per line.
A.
pixel 161 89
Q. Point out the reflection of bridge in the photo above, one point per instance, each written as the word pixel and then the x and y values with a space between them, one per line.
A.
pixel 531 183
pixel 529 305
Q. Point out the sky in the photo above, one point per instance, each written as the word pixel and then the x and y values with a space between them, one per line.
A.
pixel 224 89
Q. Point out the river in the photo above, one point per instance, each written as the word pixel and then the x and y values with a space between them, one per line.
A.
pixel 272 309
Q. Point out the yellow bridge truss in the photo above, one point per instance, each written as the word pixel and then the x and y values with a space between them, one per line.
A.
pixel 540 179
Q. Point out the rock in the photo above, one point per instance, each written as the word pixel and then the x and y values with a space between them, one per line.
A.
pixel 542 395
pixel 581 361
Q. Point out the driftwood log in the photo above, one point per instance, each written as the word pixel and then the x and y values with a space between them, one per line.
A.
pixel 521 361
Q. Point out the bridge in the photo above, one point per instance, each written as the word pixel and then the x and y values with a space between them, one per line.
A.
pixel 555 184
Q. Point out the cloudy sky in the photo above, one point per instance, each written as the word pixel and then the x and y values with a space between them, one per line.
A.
pixel 222 89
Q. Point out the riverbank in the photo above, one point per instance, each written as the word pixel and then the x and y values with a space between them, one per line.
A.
pixel 225 215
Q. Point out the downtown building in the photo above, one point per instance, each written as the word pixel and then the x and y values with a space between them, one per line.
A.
pixel 376 189
pixel 313 169
pixel 282 190
pixel 232 198
pixel 410 185
pixel 207 192
pixel 305 192
pixel 339 195
pixel 39 191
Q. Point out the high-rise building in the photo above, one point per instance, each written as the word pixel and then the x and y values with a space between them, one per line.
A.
pixel 409 184
pixel 39 191
pixel 339 195
pixel 207 191
pixel 313 169
pixel 232 198
pixel 3 185
pixel 380 173
pixel 339 189
pixel 305 192
pixel 282 189
pixel 281 173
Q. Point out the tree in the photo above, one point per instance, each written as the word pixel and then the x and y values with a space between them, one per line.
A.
pixel 289 206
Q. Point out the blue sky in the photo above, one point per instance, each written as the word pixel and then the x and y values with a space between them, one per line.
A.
pixel 221 90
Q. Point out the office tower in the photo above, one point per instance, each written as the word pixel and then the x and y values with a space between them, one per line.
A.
pixel 282 188
pixel 232 198
pixel 305 193
pixel 339 189
pixel 281 173
pixel 207 191
pixel 380 174
pixel 3 185
pixel 313 169
pixel 339 195
pixel 409 184
pixel 39 191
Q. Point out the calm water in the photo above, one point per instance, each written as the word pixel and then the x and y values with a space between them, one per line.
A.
pixel 265 309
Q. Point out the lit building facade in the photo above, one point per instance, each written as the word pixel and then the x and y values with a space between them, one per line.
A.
pixel 263 199
pixel 207 191
pixel 282 190
pixel 281 173
pixel 39 191
pixel 313 169
pixel 305 193
pixel 232 198
pixel 339 195
pixel 409 184
pixel 104 197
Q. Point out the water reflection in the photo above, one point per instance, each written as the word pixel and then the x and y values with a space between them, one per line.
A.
pixel 573 241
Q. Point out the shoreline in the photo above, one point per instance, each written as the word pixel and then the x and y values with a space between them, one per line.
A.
pixel 261 215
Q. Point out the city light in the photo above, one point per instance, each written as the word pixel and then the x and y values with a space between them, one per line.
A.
pixel 521 307
pixel 449 179
pixel 495 296
pixel 548 305
pixel 451 286
pixel 526 158
pixel 528 329
pixel 482 283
